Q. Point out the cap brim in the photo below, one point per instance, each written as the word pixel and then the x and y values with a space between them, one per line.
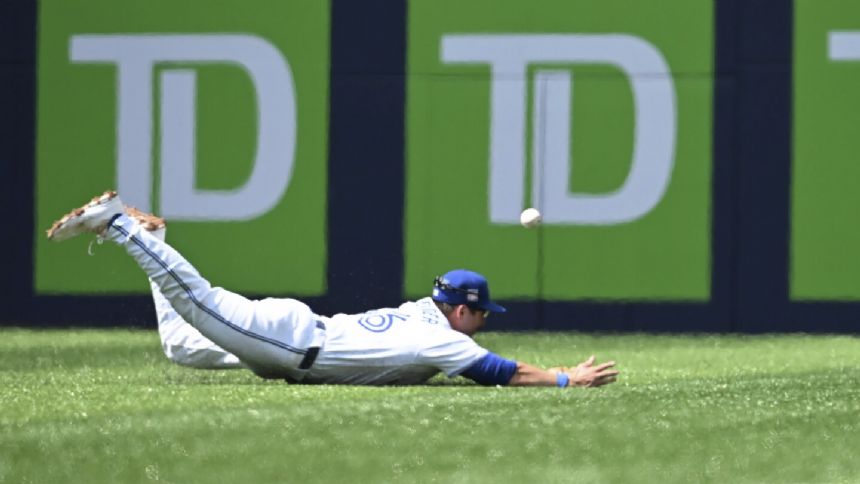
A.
pixel 491 306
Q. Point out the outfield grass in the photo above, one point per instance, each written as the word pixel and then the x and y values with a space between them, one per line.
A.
pixel 106 406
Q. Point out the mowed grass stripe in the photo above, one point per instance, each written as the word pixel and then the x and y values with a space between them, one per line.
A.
pixel 106 406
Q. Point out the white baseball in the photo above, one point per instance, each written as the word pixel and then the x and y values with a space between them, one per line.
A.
pixel 530 217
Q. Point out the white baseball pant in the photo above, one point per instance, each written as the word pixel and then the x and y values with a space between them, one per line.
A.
pixel 183 344
pixel 275 338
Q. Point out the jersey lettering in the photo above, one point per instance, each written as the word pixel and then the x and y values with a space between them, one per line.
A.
pixel 379 322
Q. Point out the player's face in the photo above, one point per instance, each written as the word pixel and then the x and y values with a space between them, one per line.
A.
pixel 467 320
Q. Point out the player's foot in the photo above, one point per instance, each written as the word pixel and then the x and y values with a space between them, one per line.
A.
pixel 92 217
pixel 152 224
pixel 148 221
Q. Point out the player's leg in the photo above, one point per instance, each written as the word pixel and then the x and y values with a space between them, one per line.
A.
pixel 182 344
pixel 272 337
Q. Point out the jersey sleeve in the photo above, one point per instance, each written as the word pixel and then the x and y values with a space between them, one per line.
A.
pixel 492 369
pixel 449 351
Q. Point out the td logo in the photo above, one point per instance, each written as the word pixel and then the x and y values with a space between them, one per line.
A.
pixel 212 114
pixel 509 57
pixel 135 58
pixel 601 120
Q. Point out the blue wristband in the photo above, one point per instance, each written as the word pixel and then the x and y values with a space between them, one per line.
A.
pixel 561 379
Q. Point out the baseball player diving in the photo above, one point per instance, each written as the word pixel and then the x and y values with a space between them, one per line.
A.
pixel 210 327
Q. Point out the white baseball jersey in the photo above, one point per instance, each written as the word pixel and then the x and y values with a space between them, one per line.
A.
pixel 283 338
pixel 402 345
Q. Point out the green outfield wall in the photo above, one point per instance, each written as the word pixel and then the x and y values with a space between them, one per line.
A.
pixel 694 160
pixel 825 236
pixel 214 115
pixel 482 91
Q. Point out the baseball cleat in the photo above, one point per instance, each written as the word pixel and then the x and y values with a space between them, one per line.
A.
pixel 148 221
pixel 92 217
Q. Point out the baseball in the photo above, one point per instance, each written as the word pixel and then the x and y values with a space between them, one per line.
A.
pixel 530 217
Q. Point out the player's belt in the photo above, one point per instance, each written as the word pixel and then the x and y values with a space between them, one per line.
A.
pixel 310 357
pixel 312 353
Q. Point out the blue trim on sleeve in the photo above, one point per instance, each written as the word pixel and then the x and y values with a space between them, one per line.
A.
pixel 492 369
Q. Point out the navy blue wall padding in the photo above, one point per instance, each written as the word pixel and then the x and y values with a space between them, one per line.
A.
pixel 17 152
pixel 366 154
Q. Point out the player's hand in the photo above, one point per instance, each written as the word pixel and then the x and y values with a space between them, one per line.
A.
pixel 586 374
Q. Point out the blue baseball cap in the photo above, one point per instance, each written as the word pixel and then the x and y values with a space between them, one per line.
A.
pixel 465 287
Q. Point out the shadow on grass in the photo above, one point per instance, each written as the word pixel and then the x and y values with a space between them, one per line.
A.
pixel 178 375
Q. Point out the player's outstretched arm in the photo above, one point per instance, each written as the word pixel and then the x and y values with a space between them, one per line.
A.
pixel 586 374
pixel 492 369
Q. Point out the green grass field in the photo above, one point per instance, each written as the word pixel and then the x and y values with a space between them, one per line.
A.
pixel 106 406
